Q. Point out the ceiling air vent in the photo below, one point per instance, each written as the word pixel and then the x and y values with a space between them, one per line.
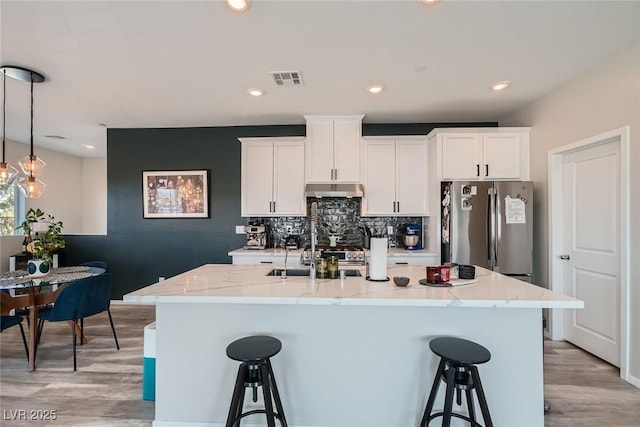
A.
pixel 55 137
pixel 287 78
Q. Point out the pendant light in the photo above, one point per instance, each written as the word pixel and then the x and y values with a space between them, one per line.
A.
pixel 7 172
pixel 29 185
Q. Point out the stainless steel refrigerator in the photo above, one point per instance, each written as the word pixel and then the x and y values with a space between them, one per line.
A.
pixel 489 224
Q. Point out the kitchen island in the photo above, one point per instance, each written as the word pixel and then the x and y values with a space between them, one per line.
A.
pixel 355 353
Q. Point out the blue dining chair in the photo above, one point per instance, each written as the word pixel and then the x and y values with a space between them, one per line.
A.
pixel 7 322
pixel 81 298
pixel 99 264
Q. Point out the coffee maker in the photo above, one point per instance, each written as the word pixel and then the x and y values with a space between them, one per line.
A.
pixel 412 236
pixel 256 236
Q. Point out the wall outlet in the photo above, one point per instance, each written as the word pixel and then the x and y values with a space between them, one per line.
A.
pixel 160 279
pixel 390 230
pixel 239 229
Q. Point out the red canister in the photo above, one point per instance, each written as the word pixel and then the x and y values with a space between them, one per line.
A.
pixel 433 274
pixel 445 271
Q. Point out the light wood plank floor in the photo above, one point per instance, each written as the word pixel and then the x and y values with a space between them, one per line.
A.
pixel 583 391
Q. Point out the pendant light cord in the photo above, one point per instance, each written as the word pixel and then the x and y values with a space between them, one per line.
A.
pixel 4 104
pixel 31 119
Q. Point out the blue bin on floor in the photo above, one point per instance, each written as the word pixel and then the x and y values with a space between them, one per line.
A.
pixel 149 363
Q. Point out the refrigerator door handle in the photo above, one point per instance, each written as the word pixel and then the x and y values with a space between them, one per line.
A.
pixel 490 227
pixel 498 229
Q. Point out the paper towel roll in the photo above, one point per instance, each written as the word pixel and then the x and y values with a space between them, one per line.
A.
pixel 378 259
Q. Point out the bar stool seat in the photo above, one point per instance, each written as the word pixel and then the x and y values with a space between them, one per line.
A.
pixel 457 369
pixel 255 371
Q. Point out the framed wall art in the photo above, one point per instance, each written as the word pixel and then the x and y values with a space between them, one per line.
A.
pixel 175 194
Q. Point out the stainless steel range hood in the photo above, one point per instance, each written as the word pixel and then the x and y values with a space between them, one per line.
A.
pixel 334 190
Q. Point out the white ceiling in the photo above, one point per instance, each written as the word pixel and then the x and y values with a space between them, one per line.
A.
pixel 189 63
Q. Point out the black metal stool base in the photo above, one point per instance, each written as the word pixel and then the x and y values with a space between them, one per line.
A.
pixel 459 374
pixel 253 373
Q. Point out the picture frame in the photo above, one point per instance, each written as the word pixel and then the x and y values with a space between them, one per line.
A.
pixel 175 194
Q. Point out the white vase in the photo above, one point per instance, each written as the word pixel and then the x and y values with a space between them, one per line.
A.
pixel 37 268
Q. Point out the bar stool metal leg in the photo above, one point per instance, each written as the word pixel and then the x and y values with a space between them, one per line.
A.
pixel 266 392
pixel 481 397
pixel 236 404
pixel 448 400
pixel 276 396
pixel 432 395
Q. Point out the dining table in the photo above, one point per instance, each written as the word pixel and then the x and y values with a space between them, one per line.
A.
pixel 19 290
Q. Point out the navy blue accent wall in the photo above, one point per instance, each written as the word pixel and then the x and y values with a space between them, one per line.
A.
pixel 140 250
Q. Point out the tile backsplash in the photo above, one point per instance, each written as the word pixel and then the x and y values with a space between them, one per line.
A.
pixel 336 216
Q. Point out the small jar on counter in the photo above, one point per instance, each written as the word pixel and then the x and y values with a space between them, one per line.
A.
pixel 321 269
pixel 332 268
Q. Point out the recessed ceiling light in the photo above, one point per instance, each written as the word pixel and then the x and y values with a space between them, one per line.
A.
pixel 500 85
pixel 254 91
pixel 89 147
pixel 429 1
pixel 377 88
pixel 237 5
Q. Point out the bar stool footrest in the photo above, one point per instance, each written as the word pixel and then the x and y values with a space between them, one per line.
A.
pixel 453 414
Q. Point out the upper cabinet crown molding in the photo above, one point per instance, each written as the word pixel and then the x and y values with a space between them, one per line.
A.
pixel 272 176
pixel 482 153
pixel 332 151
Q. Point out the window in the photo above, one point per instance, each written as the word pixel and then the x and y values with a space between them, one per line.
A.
pixel 11 209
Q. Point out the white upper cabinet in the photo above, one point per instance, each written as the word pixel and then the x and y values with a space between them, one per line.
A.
pixel 482 153
pixel 333 148
pixel 272 177
pixel 395 176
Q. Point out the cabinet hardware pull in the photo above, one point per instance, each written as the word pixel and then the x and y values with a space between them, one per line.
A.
pixel 398 202
pixel 266 262
pixel 477 170
pixel 565 257
pixel 486 170
pixel 402 263
pixel 274 206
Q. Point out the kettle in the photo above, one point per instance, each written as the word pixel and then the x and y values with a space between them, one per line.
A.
pixel 333 240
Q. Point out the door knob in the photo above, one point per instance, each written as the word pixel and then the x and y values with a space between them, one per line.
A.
pixel 565 257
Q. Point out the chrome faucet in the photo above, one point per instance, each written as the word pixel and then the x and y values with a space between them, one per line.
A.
pixel 283 275
pixel 314 239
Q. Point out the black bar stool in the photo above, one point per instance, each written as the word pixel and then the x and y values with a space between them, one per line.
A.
pixel 457 369
pixel 255 371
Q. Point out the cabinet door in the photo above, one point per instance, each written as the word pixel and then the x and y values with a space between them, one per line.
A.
pixel 257 178
pixel 288 178
pixel 379 178
pixel 502 156
pixel 346 142
pixel 461 156
pixel 412 178
pixel 319 151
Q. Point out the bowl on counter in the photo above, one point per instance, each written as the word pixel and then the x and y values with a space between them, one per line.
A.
pixel 401 281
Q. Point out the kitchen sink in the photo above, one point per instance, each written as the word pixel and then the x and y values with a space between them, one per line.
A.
pixel 305 272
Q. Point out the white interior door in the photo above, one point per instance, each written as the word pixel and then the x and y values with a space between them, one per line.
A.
pixel 591 240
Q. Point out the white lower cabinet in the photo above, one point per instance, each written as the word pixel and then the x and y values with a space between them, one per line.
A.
pixel 414 259
pixel 272 256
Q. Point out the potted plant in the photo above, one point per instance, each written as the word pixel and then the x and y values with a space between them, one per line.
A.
pixel 41 244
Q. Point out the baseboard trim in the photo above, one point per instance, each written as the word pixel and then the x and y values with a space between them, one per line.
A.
pixel 633 381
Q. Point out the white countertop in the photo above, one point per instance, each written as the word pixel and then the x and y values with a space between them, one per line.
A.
pixel 248 284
